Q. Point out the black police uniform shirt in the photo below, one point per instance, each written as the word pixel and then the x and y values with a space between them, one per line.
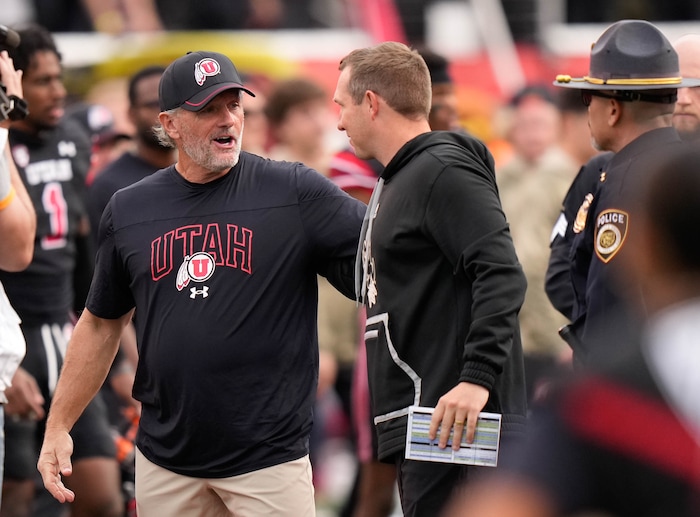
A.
pixel 598 307
pixel 223 277
pixel 444 287
pixel 53 165
pixel 558 277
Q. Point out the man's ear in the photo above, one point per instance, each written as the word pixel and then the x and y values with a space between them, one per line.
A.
pixel 168 123
pixel 615 108
pixel 372 102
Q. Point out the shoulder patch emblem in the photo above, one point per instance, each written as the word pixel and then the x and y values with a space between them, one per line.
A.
pixel 610 233
pixel 582 214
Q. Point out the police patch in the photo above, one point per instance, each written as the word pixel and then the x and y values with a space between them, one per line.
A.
pixel 582 214
pixel 610 233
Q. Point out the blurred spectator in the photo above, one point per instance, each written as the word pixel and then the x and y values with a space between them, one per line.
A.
pixel 574 135
pixel 107 147
pixel 257 131
pixel 533 128
pixel 532 185
pixel 354 175
pixel 623 439
pixel 443 109
pixel 686 116
pixel 107 143
pixel 300 122
pixel 148 154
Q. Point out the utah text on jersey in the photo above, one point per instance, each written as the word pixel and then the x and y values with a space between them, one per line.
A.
pixel 610 233
pixel 203 248
pixel 52 174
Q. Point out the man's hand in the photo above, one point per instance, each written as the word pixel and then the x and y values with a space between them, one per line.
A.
pixel 459 407
pixel 24 399
pixel 11 78
pixel 54 462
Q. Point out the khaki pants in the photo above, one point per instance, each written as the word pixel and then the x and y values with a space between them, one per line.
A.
pixel 282 490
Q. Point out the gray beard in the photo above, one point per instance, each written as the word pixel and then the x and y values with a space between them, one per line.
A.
pixel 210 162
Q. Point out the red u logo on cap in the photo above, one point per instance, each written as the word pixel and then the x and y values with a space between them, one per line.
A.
pixel 207 67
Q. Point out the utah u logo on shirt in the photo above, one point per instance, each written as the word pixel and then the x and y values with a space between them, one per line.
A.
pixel 198 268
pixel 204 247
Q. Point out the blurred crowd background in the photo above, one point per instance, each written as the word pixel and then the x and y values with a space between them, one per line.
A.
pixel 501 56
pixel 495 48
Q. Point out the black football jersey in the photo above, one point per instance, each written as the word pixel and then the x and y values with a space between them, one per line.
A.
pixel 53 166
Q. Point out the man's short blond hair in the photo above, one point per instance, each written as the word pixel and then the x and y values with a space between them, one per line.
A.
pixel 395 72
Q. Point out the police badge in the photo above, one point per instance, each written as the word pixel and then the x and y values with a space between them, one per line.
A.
pixel 610 232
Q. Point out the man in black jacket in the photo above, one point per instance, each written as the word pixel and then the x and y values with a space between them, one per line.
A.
pixel 437 271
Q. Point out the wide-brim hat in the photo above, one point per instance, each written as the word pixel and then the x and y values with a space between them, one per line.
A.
pixel 630 55
pixel 194 79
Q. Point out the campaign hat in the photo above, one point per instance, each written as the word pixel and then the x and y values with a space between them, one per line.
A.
pixel 191 81
pixel 630 55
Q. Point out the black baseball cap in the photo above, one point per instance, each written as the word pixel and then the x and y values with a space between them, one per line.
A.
pixel 191 81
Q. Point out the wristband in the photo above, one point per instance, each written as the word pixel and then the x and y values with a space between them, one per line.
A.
pixel 5 202
pixel 19 109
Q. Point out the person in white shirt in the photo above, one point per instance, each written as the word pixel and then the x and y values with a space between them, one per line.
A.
pixel 17 231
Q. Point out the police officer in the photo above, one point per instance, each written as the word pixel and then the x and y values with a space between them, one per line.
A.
pixel 630 91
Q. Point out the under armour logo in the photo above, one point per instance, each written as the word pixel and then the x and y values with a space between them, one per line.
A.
pixel 204 291
pixel 67 149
